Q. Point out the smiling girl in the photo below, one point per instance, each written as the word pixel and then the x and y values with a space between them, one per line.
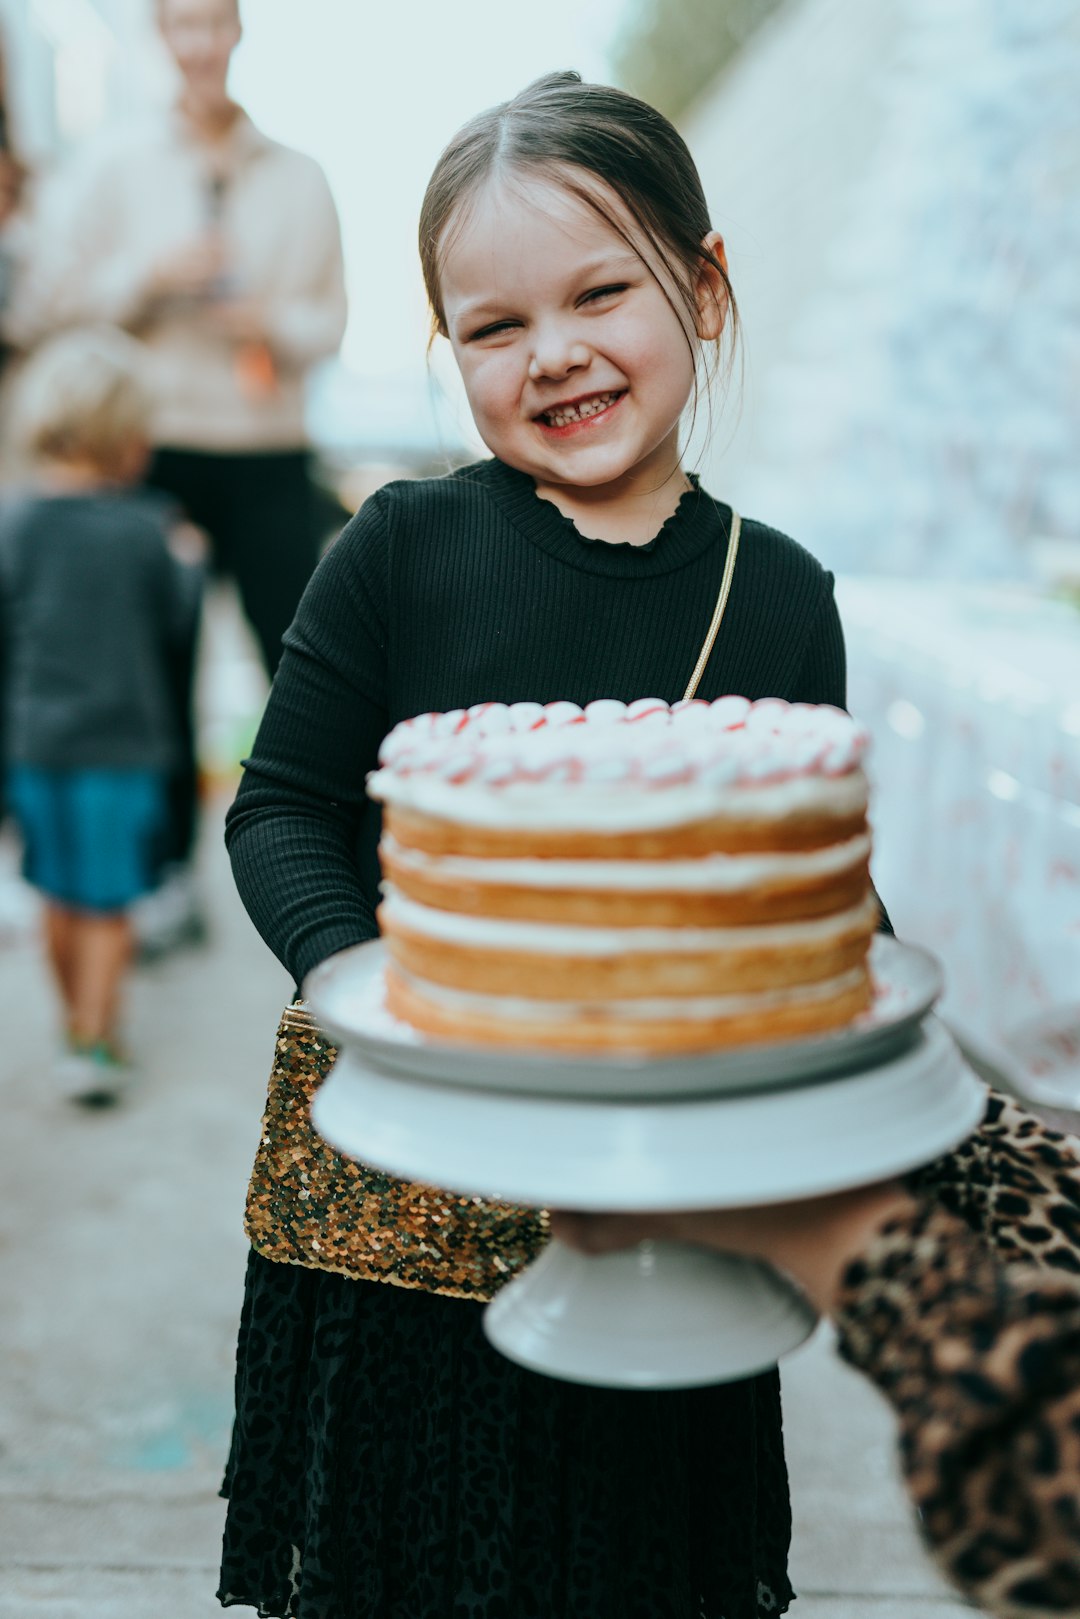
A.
pixel 387 1464
pixel 577 339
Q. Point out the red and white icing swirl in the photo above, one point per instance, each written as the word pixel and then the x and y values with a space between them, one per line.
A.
pixel 557 765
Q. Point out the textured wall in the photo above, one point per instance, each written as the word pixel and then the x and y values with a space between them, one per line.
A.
pixel 900 187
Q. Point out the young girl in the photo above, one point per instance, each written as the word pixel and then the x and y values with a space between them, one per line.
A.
pixel 387 1464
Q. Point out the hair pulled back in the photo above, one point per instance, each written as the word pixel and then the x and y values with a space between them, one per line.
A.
pixel 558 125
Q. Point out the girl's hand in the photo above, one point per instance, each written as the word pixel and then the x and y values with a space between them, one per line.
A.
pixel 813 1240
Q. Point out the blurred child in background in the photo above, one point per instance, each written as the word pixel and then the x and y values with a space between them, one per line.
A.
pixel 220 249
pixel 99 583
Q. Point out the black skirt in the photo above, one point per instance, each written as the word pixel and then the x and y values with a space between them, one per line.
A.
pixel 388 1464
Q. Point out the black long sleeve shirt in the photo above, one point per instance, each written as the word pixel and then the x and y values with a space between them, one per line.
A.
pixel 452 591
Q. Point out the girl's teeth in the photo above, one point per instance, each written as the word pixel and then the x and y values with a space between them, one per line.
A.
pixel 579 413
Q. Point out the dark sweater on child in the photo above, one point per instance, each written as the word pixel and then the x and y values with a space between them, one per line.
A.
pixel 91 607
pixel 420 1471
pixel 453 591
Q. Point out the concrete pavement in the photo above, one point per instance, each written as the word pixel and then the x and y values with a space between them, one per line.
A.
pixel 121 1260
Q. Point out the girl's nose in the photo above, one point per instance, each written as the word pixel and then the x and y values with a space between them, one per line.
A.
pixel 555 354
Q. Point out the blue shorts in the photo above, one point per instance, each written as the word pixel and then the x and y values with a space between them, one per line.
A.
pixel 91 838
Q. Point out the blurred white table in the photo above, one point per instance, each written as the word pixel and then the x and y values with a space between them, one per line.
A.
pixel 972 694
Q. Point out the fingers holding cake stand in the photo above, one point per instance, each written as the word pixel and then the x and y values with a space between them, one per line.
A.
pixel 660 1315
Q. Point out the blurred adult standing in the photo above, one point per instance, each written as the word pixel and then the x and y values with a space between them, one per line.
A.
pixel 221 250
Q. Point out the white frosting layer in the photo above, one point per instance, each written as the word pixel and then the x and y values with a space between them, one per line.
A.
pixel 516 1009
pixel 529 765
pixel 550 938
pixel 549 807
pixel 711 874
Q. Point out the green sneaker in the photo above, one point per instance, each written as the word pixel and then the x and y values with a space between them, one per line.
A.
pixel 92 1075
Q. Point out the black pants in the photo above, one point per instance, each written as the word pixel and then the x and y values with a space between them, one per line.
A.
pixel 259 512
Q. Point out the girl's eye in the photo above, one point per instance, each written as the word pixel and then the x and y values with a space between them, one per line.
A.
pixel 598 293
pixel 494 330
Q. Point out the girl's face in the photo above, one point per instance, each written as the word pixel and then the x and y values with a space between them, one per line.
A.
pixel 576 366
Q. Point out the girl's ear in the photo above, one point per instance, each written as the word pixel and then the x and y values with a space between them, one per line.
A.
pixel 710 289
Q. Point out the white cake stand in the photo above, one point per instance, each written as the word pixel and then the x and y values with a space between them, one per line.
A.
pixel 661 1315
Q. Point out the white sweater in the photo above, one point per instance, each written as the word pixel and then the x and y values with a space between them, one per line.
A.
pixel 107 221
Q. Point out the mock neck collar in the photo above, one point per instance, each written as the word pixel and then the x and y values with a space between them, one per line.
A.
pixel 697 523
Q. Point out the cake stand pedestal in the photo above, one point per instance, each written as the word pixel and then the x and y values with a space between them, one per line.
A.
pixel 661 1315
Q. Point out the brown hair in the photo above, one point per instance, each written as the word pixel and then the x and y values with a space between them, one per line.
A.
pixel 560 126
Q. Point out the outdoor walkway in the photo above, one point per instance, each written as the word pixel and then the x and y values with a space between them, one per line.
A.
pixel 121 1259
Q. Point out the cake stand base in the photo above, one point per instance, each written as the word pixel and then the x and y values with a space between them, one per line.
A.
pixel 657 1316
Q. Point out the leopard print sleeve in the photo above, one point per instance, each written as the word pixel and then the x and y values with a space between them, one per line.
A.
pixel 1017 1183
pixel 963 1314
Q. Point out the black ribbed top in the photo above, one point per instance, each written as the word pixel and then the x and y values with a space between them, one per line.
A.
pixel 452 591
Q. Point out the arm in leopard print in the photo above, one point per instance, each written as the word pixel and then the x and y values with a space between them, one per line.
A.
pixel 981 1361
pixel 1017 1183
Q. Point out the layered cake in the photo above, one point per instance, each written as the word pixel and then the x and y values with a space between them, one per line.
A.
pixel 626 878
